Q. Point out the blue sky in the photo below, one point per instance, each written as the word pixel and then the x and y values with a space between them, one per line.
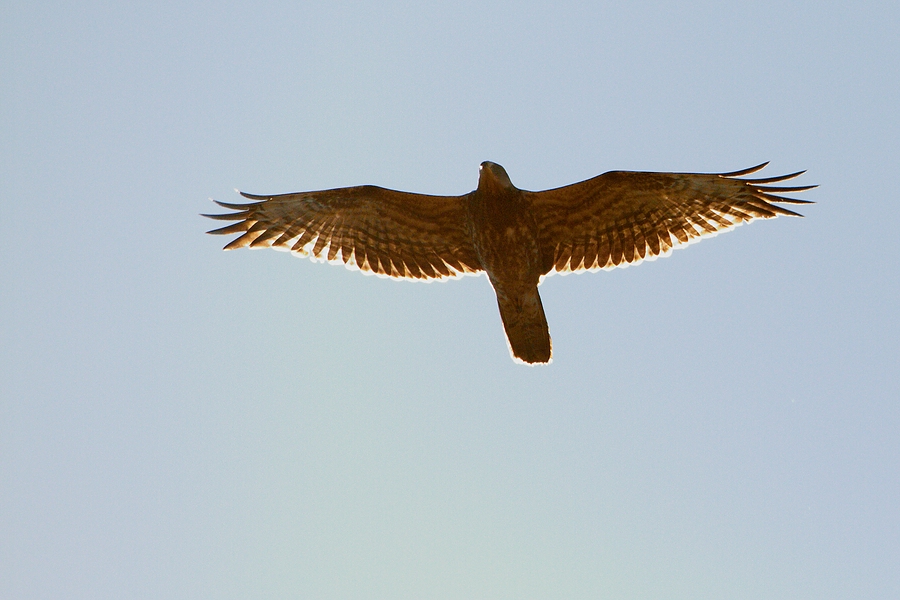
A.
pixel 180 422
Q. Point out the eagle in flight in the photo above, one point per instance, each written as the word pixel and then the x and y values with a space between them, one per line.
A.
pixel 515 236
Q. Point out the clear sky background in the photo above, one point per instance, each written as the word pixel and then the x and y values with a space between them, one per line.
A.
pixel 180 422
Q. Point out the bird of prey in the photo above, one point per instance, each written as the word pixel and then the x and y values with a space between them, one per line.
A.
pixel 515 236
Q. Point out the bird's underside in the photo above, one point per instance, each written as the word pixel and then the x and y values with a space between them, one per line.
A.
pixel 515 236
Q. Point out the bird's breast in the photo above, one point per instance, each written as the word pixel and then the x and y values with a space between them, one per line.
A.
pixel 504 233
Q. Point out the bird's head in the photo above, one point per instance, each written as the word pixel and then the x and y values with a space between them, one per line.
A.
pixel 492 175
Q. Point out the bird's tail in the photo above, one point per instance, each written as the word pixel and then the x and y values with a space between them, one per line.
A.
pixel 525 325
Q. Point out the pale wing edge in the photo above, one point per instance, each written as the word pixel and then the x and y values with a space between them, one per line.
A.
pixel 691 230
pixel 323 246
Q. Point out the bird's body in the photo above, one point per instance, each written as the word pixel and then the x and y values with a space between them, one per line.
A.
pixel 515 236
pixel 506 239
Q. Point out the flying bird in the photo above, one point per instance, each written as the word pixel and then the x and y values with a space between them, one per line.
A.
pixel 515 236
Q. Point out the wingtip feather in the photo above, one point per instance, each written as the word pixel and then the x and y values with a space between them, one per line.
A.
pixel 776 179
pixel 791 188
pixel 252 196
pixel 229 229
pixel 743 172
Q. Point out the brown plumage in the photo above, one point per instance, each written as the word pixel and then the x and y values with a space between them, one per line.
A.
pixel 515 236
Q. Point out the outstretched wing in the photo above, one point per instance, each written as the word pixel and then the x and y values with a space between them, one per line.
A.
pixel 389 233
pixel 622 217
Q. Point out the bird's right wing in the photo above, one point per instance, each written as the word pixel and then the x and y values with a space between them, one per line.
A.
pixel 621 217
pixel 386 232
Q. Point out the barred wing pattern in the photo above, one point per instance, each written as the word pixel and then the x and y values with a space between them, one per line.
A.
pixel 385 232
pixel 621 218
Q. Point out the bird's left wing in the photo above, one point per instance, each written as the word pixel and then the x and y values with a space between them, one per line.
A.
pixel 621 217
pixel 386 232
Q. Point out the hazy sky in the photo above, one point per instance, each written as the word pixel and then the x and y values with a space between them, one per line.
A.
pixel 181 422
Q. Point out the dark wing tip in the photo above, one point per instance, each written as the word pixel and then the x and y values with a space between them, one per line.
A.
pixel 253 196
pixel 235 216
pixel 769 194
pixel 782 199
pixel 776 179
pixel 743 172
pixel 235 206
pixel 792 188
pixel 242 212
pixel 229 229
pixel 784 211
